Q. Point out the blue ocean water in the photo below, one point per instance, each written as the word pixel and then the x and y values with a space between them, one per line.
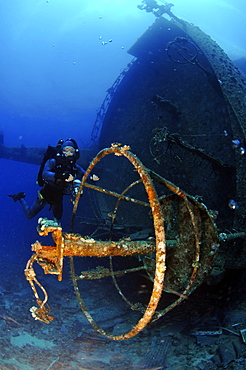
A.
pixel 58 59
pixel 55 71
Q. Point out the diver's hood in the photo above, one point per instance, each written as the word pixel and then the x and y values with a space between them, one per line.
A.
pixel 68 143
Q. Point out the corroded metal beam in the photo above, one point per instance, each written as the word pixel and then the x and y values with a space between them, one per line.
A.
pixel 76 245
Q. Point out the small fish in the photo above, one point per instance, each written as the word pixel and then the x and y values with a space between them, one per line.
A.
pixel 232 204
pixel 242 150
pixel 236 143
pixel 226 133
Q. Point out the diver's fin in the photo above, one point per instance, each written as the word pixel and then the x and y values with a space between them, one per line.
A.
pixel 17 196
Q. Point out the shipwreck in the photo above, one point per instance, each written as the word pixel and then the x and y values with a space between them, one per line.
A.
pixel 170 137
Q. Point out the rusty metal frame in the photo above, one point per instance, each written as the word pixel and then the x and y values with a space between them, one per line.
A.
pixel 119 150
pixel 70 244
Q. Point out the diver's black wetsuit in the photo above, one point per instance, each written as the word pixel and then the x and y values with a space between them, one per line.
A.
pixel 55 186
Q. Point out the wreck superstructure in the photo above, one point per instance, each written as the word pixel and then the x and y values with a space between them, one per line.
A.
pixel 179 107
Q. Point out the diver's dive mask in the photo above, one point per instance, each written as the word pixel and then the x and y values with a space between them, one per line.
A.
pixel 68 151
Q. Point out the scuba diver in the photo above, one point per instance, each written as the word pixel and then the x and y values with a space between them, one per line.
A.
pixel 58 175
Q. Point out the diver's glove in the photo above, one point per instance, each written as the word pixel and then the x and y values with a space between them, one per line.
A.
pixel 94 178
